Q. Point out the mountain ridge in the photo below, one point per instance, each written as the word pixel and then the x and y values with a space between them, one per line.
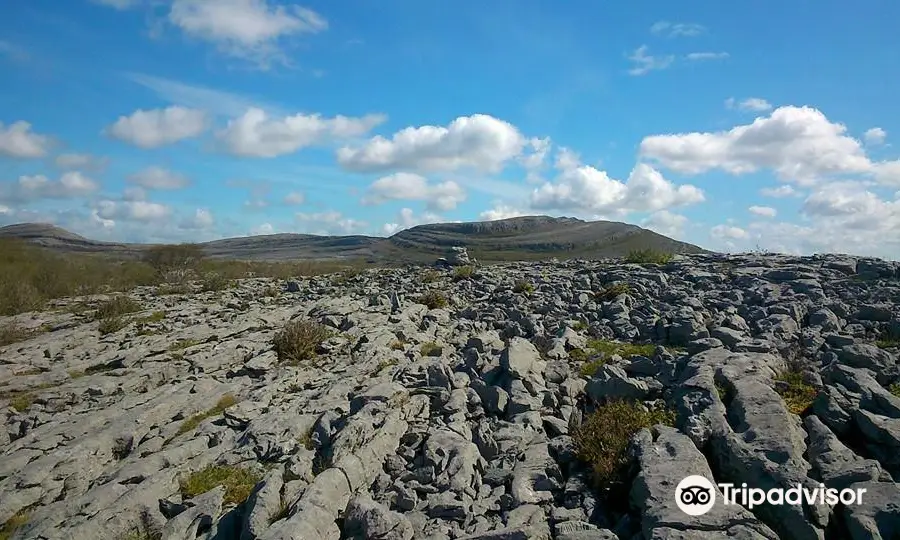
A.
pixel 524 238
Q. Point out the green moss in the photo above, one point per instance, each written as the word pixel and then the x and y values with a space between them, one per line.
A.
pixel 894 389
pixel 889 343
pixel 797 394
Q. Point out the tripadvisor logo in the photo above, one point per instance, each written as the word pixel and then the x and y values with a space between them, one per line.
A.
pixel 695 495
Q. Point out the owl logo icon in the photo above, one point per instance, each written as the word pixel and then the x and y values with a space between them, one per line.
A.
pixel 695 495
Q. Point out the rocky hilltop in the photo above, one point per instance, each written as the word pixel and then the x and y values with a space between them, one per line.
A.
pixel 204 416
pixel 529 237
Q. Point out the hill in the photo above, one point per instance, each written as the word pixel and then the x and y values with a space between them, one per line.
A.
pixel 520 238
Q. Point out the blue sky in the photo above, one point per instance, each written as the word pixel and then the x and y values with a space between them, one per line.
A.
pixel 180 120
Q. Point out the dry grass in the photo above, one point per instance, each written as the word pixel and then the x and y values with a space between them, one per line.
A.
pixel 463 272
pixel 8 529
pixel 431 349
pixel 117 307
pixel 299 340
pixel 434 300
pixel 112 325
pixel 12 332
pixel 191 423
pixel 238 482
pixel 602 440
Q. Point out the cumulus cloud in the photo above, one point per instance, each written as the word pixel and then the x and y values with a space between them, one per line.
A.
pixel 671 29
pixel 764 211
pixel 799 143
pixel 501 211
pixel 255 134
pixel 780 192
pixel 644 63
pixel 30 188
pixel 159 178
pixel 413 187
pixel 728 231
pixel 586 188
pixel 158 127
pixel 406 218
pixel 749 104
pixel 294 198
pixel 142 211
pixel 201 219
pixel 251 29
pixel 331 223
pixel 17 140
pixel 84 162
pixel 875 136
pixel 262 229
pixel 666 223
pixel 479 141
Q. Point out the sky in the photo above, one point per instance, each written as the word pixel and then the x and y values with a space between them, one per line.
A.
pixel 733 127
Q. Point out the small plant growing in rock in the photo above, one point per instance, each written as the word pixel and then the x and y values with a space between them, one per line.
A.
pixel 214 281
pixel 648 256
pixel 888 343
pixel 463 272
pixel 798 395
pixel 12 332
pixel 238 482
pixel 299 340
pixel 430 349
pixel 434 300
pixel 894 389
pixel 431 276
pixel 397 345
pixel 110 325
pixel 523 287
pixel 387 362
pixel 21 402
pixel 612 292
pixel 116 307
pixel 182 344
pixel 602 440
pixel 580 326
pixel 9 528
pixel 625 350
pixel 189 424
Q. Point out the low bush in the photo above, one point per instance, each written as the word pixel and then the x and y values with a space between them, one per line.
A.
pixel 299 340
pixel 602 440
pixel 648 256
pixel 463 272
pixel 434 300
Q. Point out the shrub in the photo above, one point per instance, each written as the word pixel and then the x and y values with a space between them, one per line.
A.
pixel 116 307
pixel 431 276
pixel 188 425
pixel 798 395
pixel 12 332
pixel 612 292
pixel 112 325
pixel 523 287
pixel 238 482
pixel 299 340
pixel 602 440
pixel 463 272
pixel 434 300
pixel 173 262
pixel 214 281
pixel 644 256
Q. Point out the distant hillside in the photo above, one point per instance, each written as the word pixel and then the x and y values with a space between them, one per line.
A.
pixel 520 238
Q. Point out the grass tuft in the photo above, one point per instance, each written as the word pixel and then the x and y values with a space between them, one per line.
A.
pixel 612 292
pixel 17 521
pixel 12 332
pixel 238 482
pixel 434 300
pixel 117 307
pixel 602 440
pixel 889 343
pixel 648 256
pixel 111 325
pixel 189 424
pixel 463 272
pixel 523 287
pixel 797 394
pixel 430 349
pixel 299 340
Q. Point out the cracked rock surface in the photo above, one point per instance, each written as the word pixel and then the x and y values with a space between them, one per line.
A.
pixel 458 422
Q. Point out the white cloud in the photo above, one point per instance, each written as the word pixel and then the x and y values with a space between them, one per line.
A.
pixel 728 231
pixel 670 29
pixel 705 56
pixel 413 187
pixel 589 189
pixel 158 178
pixel 193 96
pixel 142 211
pixel 764 211
pixel 18 141
pixel 329 223
pixel 875 136
pixel 254 134
pixel 666 223
pixel 501 211
pixel 249 29
pixel 479 141
pixel 118 4
pixel 294 198
pixel 134 194
pixel 749 104
pixel 30 188
pixel 566 159
pixel 406 218
pixel 202 219
pixel 159 127
pixel 265 228
pixel 780 192
pixel 645 63
pixel 799 143
pixel 81 162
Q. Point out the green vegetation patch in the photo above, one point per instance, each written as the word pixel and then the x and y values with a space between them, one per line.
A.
pixel 602 440
pixel 238 482
pixel 17 521
pixel 299 340
pixel 612 292
pixel 523 286
pixel 434 300
pixel 648 256
pixel 189 424
pixel 797 394
pixel 12 332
